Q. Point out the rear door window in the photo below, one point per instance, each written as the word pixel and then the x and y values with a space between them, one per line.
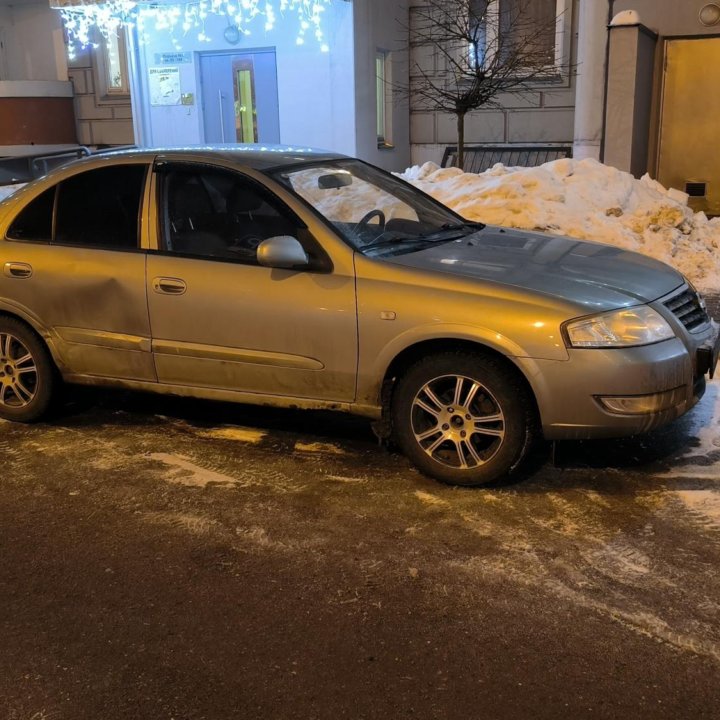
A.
pixel 97 208
pixel 101 208
pixel 35 220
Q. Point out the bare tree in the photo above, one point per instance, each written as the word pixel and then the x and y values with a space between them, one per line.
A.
pixel 483 48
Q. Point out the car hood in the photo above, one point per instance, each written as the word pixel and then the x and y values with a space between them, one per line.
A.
pixel 597 276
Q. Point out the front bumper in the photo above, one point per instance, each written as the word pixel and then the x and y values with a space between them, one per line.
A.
pixel 569 392
pixel 707 356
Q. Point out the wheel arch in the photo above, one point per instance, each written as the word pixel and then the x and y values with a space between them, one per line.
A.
pixel 435 346
pixel 30 378
pixel 15 313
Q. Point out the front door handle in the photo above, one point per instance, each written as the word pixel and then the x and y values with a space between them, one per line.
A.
pixel 17 270
pixel 169 286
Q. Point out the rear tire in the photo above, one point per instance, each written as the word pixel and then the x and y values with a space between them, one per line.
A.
pixel 462 418
pixel 27 373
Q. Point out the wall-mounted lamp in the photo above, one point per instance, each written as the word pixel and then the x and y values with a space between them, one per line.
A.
pixel 710 14
pixel 232 34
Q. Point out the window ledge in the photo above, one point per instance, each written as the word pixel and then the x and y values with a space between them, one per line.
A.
pixel 385 146
pixel 114 99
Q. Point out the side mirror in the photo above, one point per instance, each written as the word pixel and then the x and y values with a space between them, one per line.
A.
pixel 282 251
pixel 334 180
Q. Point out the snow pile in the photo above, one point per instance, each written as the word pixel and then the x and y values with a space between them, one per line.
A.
pixel 8 190
pixel 588 200
pixel 347 204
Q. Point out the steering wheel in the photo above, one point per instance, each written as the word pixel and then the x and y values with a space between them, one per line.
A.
pixel 367 217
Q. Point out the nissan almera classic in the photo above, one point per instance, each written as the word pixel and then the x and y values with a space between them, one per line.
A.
pixel 306 279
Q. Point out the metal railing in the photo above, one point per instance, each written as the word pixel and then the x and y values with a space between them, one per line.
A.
pixel 23 168
pixel 479 158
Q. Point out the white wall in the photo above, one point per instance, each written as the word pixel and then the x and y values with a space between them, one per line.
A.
pixel 316 102
pixel 34 46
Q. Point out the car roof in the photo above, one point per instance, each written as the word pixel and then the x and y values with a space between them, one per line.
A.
pixel 254 156
pixel 258 157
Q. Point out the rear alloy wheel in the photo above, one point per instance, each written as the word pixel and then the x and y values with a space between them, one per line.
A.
pixel 462 418
pixel 26 373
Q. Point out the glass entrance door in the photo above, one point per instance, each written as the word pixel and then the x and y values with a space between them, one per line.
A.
pixel 239 97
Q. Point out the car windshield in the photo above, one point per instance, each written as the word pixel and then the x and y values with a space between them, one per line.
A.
pixel 375 212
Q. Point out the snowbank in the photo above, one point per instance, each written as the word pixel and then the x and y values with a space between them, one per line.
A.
pixel 8 190
pixel 587 200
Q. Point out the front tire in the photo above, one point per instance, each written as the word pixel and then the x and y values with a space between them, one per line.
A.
pixel 27 373
pixel 462 418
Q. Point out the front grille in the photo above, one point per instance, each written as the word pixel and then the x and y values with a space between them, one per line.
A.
pixel 686 307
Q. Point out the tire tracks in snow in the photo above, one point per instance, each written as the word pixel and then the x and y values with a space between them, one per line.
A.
pixel 567 548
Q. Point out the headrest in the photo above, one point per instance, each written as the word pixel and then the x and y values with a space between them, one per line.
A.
pixel 190 197
pixel 243 200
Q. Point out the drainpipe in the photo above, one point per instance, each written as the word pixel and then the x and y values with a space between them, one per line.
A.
pixel 611 15
pixel 138 100
pixel 590 79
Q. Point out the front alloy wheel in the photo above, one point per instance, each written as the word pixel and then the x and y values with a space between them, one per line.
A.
pixel 457 421
pixel 462 418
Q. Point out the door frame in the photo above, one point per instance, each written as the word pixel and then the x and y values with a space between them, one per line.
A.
pixel 661 92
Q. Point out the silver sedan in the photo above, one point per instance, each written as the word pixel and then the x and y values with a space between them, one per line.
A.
pixel 302 279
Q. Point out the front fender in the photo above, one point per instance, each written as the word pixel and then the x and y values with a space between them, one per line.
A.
pixel 372 371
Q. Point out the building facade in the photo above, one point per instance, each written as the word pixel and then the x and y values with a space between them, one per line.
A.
pixel 542 115
pixel 36 98
pixel 150 86
pixel 662 106
pixel 633 84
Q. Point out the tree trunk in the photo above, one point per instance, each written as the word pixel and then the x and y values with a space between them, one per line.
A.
pixel 461 141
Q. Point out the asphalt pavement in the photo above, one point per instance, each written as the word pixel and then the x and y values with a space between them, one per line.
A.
pixel 166 558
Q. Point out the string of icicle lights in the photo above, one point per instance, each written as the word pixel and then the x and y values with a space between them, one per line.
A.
pixel 187 20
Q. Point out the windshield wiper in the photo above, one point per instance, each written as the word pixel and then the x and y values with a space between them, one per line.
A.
pixel 407 243
pixel 446 233
pixel 473 225
pixel 459 230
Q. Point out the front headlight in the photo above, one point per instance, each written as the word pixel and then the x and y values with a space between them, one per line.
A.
pixel 621 328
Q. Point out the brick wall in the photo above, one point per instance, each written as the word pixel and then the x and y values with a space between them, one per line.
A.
pixel 99 121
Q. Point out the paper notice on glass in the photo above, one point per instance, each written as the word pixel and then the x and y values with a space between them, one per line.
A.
pixel 164 85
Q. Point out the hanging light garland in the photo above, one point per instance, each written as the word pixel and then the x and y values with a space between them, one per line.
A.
pixel 186 19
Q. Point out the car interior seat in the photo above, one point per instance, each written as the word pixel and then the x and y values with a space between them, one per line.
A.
pixel 192 218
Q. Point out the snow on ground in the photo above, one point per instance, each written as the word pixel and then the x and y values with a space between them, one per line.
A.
pixel 588 200
pixel 700 466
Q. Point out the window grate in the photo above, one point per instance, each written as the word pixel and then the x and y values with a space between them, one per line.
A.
pixel 688 309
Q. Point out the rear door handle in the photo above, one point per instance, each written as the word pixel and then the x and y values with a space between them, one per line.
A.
pixel 17 270
pixel 169 286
